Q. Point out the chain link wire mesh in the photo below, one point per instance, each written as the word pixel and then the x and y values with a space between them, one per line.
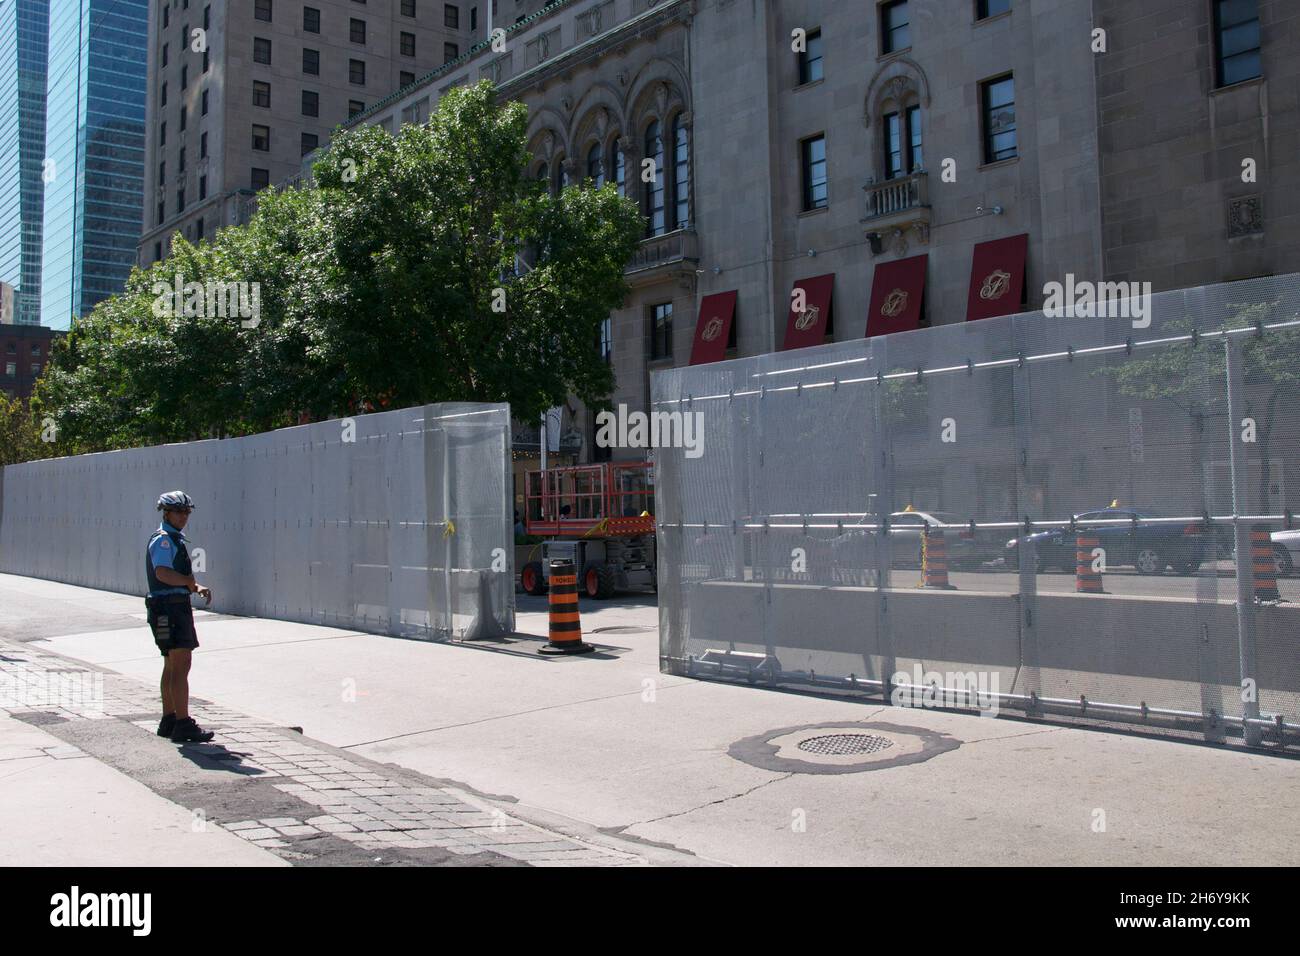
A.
pixel 397 522
pixel 791 550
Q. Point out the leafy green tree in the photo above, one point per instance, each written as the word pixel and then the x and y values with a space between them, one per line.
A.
pixel 1194 378
pixel 446 273
pixel 415 268
pixel 20 436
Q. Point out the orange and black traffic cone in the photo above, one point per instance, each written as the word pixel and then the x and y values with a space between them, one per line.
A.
pixel 1086 580
pixel 566 625
pixel 1263 564
pixel 934 560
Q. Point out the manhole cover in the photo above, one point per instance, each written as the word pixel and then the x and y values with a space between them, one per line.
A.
pixel 845 745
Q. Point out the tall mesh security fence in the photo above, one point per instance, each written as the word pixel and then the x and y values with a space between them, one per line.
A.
pixel 398 522
pixel 1072 515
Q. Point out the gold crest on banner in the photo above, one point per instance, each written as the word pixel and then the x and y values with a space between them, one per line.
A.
pixel 996 285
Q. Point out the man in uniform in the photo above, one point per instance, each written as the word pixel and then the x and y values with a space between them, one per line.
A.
pixel 171 582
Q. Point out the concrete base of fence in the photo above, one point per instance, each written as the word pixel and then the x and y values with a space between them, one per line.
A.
pixel 1169 652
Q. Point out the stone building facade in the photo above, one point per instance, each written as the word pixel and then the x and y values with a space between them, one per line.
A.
pixel 826 147
pixel 268 83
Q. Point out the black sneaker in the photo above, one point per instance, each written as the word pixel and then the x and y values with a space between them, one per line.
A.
pixel 166 725
pixel 188 732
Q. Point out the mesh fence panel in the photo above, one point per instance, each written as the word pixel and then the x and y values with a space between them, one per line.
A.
pixel 1058 508
pixel 398 523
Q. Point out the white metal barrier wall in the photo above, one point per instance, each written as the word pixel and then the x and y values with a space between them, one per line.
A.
pixel 398 522
pixel 790 541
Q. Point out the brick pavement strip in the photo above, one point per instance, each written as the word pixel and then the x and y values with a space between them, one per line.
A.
pixel 340 798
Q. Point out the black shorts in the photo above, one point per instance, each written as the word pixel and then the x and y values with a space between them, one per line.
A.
pixel 172 623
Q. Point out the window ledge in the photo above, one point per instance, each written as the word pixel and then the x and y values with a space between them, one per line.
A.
pixel 815 212
pixel 997 16
pixel 808 86
pixel 892 53
pixel 1000 163
pixel 1242 84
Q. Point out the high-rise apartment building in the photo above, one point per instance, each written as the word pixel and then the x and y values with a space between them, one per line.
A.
pixel 23 31
pixel 94 153
pixel 240 92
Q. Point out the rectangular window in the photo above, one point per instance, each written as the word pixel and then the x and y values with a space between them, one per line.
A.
pixel 810 61
pixel 451 16
pixel 408 8
pixel 991 8
pixel 207 18
pixel 310 20
pixel 473 18
pixel 11 369
pixel 310 103
pixel 311 61
pixel 164 54
pixel 36 369
pixel 999 104
pixel 180 200
pixel 162 174
pixel 357 31
pixel 181 164
pixel 661 331
pixel 261 138
pixel 607 339
pixel 205 61
pixel 162 134
pixel 407 44
pixel 163 95
pixel 203 146
pixel 157 246
pixel 895 27
pixel 203 187
pixel 260 178
pixel 914 138
pixel 198 228
pixel 185 75
pixel 162 214
pixel 261 50
pixel 1236 36
pixel 357 72
pixel 406 79
pixel 203 104
pixel 262 10
pixel 309 142
pixel 355 107
pixel 815 191
pixel 184 115
pixel 902 137
pixel 261 94
pixel 893 146
pixel 166 17
pixel 449 52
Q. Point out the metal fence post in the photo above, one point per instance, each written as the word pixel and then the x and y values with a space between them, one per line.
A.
pixel 1241 538
pixel 1026 550
pixel 879 509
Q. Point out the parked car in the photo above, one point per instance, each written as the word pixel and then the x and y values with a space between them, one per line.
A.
pixel 1286 551
pixel 1147 548
pixel 966 549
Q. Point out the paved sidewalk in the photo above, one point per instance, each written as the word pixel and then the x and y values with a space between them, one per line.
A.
pixel 302 800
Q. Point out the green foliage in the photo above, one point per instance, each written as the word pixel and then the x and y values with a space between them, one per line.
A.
pixel 20 437
pixel 396 278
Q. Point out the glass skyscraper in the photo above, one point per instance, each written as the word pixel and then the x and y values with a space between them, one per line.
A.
pixel 94 145
pixel 22 151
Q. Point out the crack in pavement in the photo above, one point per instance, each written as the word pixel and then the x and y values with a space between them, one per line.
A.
pixel 711 803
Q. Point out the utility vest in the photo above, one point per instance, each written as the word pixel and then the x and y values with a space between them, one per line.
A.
pixel 181 564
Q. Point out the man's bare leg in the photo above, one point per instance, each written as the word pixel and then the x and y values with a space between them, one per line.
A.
pixel 178 660
pixel 167 685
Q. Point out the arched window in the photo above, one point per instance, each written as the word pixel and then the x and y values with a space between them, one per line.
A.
pixel 543 174
pixel 559 176
pixel 619 165
pixel 655 191
pixel 681 175
pixel 595 166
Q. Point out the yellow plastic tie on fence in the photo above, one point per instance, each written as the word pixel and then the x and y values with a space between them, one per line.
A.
pixel 448 531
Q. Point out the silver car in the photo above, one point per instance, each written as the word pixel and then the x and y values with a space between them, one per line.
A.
pixel 1286 550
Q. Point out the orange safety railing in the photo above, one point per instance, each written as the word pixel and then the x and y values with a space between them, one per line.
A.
pixel 602 500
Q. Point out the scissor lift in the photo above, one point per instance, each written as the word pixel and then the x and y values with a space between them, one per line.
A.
pixel 597 516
